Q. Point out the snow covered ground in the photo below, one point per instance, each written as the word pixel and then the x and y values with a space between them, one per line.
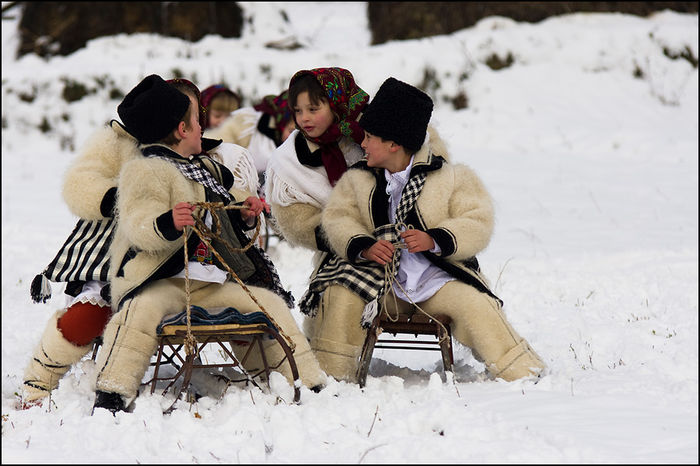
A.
pixel 588 143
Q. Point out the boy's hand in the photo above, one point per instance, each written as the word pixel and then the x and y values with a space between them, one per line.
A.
pixel 253 207
pixel 182 215
pixel 266 206
pixel 417 241
pixel 380 252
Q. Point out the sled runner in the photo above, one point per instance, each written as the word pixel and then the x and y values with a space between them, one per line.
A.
pixel 416 323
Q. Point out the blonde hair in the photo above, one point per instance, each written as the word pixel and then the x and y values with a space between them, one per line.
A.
pixel 224 102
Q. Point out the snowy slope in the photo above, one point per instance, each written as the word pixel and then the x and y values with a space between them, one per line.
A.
pixel 588 144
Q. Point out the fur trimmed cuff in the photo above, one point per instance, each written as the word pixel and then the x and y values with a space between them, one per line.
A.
pixel 108 203
pixel 321 242
pixel 165 226
pixel 358 244
pixel 444 239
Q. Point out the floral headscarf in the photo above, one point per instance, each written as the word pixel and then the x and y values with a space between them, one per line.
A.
pixel 208 95
pixel 277 106
pixel 347 101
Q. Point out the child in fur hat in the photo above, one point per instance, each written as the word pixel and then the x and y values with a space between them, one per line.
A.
pixel 408 224
pixel 147 271
pixel 326 104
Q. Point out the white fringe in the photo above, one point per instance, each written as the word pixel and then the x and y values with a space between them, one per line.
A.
pixel 240 162
pixel 369 313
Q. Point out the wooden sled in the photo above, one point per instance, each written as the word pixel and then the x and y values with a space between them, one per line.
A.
pixel 414 324
pixel 245 330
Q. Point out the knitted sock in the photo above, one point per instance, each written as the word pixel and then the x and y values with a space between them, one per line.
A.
pixel 83 322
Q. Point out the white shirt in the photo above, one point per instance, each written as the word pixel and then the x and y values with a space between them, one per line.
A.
pixel 417 275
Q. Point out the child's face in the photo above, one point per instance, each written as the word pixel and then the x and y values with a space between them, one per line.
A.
pixel 192 142
pixel 288 130
pixel 383 154
pixel 313 119
pixel 216 117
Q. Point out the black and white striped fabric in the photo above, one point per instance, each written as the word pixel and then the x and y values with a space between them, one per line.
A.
pixel 365 281
pixel 83 257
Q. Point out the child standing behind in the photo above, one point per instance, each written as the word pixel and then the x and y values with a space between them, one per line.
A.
pixel 408 224
pixel 218 102
pixel 261 129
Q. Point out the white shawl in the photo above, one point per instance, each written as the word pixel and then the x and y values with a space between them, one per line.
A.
pixel 240 162
pixel 288 182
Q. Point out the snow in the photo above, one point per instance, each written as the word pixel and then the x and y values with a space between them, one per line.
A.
pixel 594 173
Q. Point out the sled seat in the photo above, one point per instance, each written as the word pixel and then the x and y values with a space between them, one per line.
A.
pixel 414 323
pixel 224 330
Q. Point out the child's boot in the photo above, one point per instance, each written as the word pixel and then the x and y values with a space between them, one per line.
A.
pixel 336 334
pixel 521 361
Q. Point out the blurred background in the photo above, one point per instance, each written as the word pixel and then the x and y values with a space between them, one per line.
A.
pixel 60 28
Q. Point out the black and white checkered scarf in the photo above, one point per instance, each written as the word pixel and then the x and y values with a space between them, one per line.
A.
pixel 367 281
pixel 194 172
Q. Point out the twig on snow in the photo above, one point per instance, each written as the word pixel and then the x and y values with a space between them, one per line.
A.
pixel 372 426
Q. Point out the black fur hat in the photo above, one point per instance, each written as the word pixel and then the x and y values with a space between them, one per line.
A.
pixel 152 109
pixel 398 112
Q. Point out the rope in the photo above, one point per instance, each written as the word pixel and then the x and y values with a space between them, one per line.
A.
pixel 390 271
pixel 205 234
pixel 190 340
